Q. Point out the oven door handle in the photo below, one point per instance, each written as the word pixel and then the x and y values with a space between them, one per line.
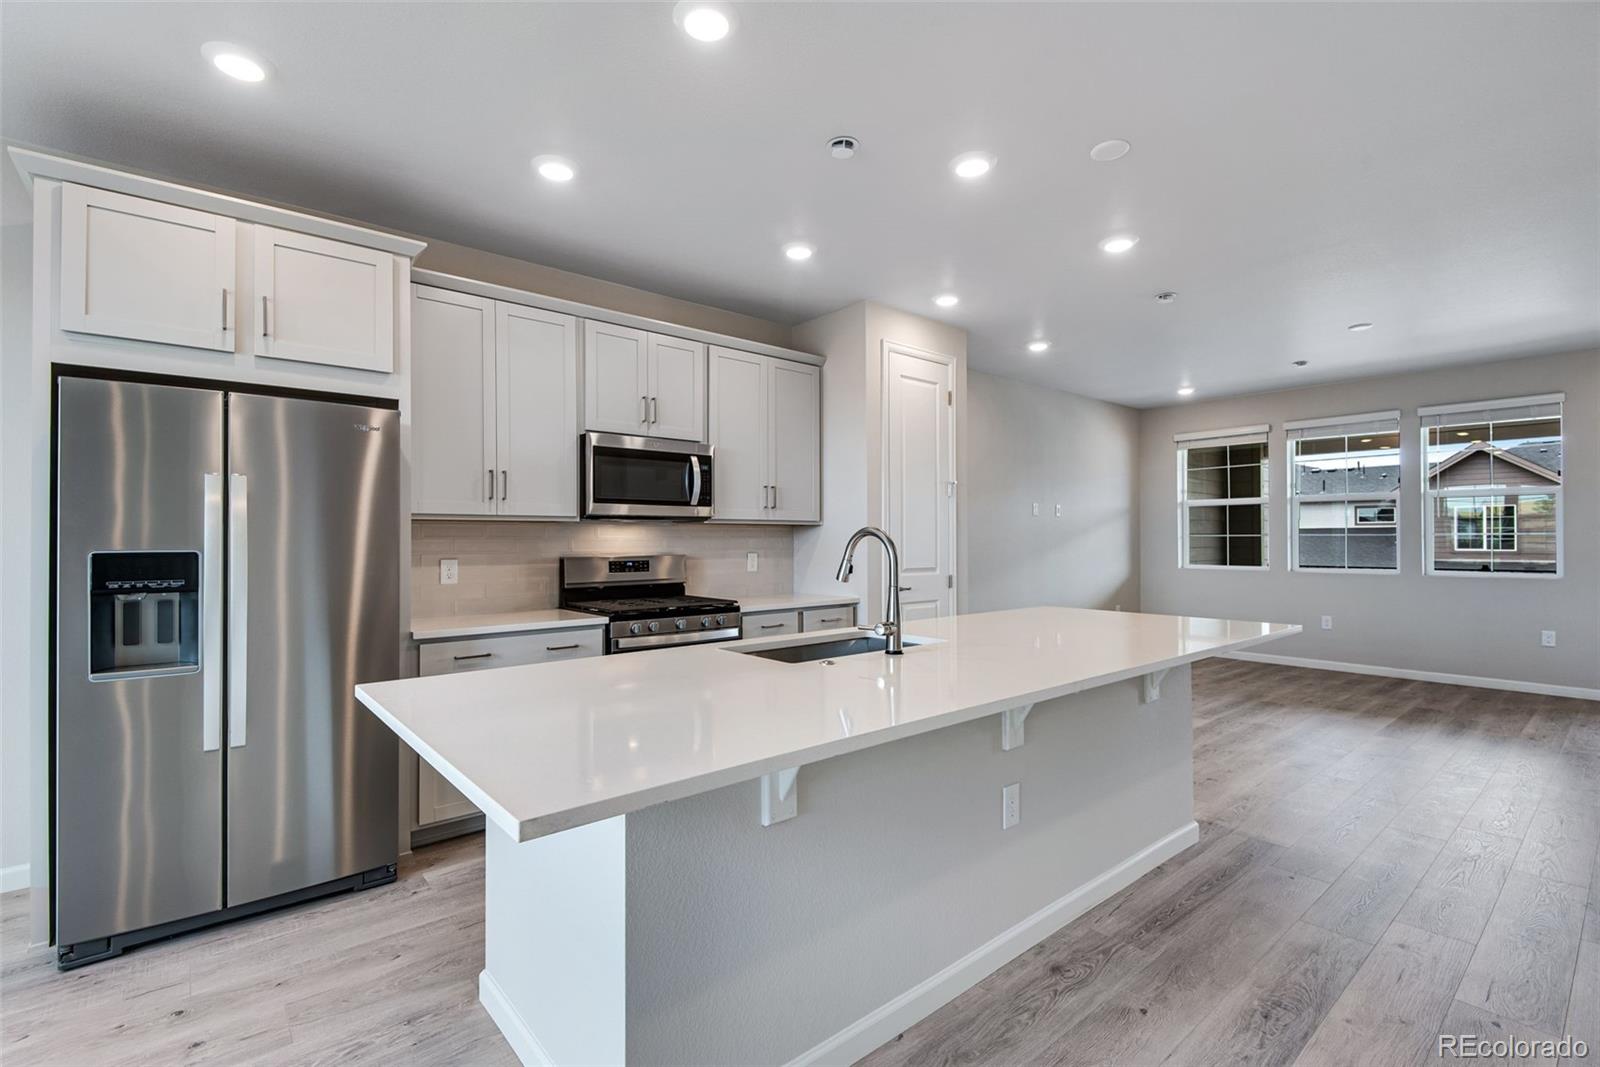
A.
pixel 694 490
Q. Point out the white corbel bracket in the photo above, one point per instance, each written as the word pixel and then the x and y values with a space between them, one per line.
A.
pixel 1150 686
pixel 1011 721
pixel 779 797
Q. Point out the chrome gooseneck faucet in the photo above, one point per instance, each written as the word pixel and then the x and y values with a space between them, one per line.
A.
pixel 890 626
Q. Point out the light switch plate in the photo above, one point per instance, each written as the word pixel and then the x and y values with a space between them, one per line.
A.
pixel 449 571
pixel 751 562
pixel 1035 509
pixel 1010 805
pixel 1327 622
pixel 1547 638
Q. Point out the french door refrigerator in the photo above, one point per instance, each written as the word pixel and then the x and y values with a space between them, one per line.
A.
pixel 226 567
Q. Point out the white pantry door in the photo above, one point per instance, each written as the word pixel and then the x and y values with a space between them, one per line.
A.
pixel 919 493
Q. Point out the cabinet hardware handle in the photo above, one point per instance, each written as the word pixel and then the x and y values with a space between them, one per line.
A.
pixel 224 309
pixel 653 410
pixel 504 481
pixel 475 655
pixel 905 588
pixel 264 318
pixel 839 619
pixel 772 626
pixel 774 498
pixel 644 409
pixel 489 471
pixel 560 648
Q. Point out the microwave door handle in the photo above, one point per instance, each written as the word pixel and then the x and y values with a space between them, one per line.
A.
pixel 694 491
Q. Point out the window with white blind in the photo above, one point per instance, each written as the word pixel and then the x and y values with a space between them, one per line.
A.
pixel 1344 493
pixel 1222 498
pixel 1492 492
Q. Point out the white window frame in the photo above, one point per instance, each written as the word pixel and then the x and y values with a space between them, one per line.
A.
pixel 1484 527
pixel 1547 405
pixel 1238 435
pixel 1372 422
pixel 1393 520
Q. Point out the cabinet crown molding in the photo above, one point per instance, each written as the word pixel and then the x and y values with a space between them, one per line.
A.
pixel 32 164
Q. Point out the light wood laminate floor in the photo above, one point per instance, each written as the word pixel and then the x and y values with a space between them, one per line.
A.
pixel 1379 862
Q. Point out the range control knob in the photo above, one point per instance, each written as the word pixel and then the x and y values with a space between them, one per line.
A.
pixel 633 628
pixel 681 624
pixel 722 620
pixel 705 622
pixel 654 626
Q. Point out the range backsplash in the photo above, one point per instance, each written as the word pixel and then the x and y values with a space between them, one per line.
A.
pixel 512 566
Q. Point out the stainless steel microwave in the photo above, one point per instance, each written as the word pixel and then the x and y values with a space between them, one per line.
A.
pixel 625 477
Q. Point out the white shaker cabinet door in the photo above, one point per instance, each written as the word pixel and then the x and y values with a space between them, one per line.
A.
pixel 616 378
pixel 146 271
pixel 677 388
pixel 453 465
pixel 321 301
pixel 537 374
pixel 794 432
pixel 738 422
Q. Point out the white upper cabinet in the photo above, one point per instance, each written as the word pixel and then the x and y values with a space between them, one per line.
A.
pixel 677 388
pixel 494 408
pixel 642 383
pixel 536 371
pixel 738 416
pixel 322 301
pixel 146 271
pixel 765 422
pixel 616 378
pixel 453 361
pixel 794 407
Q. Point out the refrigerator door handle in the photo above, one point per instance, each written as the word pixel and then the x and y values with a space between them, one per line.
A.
pixel 238 605
pixel 211 617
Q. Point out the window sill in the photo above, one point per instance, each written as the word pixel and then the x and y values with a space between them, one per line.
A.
pixel 1493 574
pixel 1389 572
pixel 1221 567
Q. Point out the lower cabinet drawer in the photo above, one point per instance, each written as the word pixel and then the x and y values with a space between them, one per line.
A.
pixel 772 623
pixel 481 653
pixel 813 619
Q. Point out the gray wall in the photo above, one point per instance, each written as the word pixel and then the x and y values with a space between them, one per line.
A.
pixel 1029 444
pixel 1481 626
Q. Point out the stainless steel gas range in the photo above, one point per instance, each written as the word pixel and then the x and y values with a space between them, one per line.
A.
pixel 645 600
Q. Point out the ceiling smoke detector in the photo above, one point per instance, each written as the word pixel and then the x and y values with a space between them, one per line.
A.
pixel 843 147
pixel 1166 296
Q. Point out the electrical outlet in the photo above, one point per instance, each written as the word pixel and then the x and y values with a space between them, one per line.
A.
pixel 1010 805
pixel 1327 622
pixel 449 571
pixel 1036 509
pixel 1058 511
pixel 752 563
pixel 1547 638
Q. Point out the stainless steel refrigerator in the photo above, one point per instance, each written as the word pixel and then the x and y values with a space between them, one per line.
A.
pixel 226 572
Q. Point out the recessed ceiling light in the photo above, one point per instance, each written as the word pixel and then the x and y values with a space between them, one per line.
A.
pixel 1038 346
pixel 1366 440
pixel 235 62
pixel 1301 362
pixel 947 300
pixel 1118 244
pixel 1186 390
pixel 1358 327
pixel 555 168
pixel 844 146
pixel 798 251
pixel 1166 296
pixel 703 21
pixel 1106 151
pixel 971 165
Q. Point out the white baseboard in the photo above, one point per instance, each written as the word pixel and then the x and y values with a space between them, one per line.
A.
pixel 14 877
pixel 1578 691
pixel 926 997
pixel 512 1028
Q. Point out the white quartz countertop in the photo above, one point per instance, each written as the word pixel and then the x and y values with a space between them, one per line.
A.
pixel 751 605
pixel 545 747
pixel 509 622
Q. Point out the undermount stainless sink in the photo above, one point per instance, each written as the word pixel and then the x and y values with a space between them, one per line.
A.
pixel 810 653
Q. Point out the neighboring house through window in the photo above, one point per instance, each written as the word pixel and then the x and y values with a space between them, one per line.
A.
pixel 1494 483
pixel 1222 498
pixel 1344 490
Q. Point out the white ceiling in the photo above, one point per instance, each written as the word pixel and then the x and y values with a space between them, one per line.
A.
pixel 1431 168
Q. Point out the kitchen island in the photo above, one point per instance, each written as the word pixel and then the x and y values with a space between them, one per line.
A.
pixel 700 855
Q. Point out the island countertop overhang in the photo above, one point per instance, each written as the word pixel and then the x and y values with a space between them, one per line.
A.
pixel 547 747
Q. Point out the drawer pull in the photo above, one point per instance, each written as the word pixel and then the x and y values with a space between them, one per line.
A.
pixel 475 655
pixel 839 619
pixel 560 648
pixel 772 626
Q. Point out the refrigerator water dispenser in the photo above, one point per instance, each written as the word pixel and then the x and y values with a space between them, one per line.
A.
pixel 144 614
